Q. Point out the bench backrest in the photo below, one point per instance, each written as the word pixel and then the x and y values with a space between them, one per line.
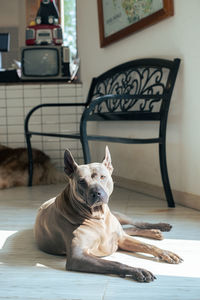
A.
pixel 143 86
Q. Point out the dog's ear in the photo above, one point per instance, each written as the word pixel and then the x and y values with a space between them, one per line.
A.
pixel 107 160
pixel 70 164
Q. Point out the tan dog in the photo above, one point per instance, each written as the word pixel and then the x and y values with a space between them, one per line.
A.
pixel 79 224
pixel 14 168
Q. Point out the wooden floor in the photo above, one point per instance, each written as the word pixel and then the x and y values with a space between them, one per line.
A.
pixel 27 273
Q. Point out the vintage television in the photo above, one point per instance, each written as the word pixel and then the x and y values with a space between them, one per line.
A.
pixel 45 63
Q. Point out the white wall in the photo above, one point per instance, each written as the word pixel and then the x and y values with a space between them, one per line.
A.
pixel 13 14
pixel 9 13
pixel 177 36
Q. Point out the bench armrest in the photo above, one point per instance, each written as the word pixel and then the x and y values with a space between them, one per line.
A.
pixel 70 104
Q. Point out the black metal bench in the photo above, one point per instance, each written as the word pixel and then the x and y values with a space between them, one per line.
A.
pixel 139 90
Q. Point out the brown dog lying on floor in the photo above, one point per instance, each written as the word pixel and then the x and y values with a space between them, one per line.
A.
pixel 14 168
pixel 79 224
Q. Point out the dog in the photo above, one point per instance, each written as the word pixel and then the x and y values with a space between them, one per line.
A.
pixel 79 224
pixel 14 168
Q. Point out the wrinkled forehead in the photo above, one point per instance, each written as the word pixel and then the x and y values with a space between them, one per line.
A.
pixel 94 168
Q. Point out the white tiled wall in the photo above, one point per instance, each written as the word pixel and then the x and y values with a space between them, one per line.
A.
pixel 17 100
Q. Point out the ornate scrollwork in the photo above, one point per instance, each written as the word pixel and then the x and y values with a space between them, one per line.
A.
pixel 145 83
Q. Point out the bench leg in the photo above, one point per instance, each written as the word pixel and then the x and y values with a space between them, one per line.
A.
pixel 84 142
pixel 164 174
pixel 30 159
pixel 86 150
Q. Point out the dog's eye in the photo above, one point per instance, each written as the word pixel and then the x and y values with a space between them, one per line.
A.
pixel 94 175
pixel 103 177
pixel 81 181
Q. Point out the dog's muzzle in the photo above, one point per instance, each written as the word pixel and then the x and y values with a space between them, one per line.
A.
pixel 97 196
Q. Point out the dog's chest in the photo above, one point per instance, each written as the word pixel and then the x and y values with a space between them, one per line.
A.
pixel 106 234
pixel 108 243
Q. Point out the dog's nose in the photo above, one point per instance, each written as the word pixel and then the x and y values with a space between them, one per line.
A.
pixel 97 194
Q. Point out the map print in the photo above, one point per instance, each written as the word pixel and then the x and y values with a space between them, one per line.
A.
pixel 119 14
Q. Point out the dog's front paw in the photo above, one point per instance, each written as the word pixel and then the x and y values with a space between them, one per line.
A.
pixel 169 257
pixel 142 275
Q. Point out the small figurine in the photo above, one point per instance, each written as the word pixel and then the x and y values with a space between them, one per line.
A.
pixel 47 13
pixel 45 30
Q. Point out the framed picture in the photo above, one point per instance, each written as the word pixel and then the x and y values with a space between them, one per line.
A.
pixel 119 18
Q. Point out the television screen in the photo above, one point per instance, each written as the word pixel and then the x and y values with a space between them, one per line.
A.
pixel 4 42
pixel 40 62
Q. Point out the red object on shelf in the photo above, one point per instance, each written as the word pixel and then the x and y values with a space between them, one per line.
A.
pixel 44 34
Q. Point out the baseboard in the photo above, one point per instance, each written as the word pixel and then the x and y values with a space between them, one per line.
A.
pixel 185 199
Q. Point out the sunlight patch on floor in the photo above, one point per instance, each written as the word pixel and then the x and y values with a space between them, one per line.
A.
pixel 41 265
pixel 188 268
pixel 4 235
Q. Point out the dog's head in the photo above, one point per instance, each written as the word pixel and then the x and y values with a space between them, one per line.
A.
pixel 91 184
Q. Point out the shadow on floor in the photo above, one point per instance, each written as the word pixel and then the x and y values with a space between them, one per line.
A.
pixel 20 249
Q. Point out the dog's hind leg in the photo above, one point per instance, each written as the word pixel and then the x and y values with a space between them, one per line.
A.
pixel 161 226
pixel 149 233
pixel 125 220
